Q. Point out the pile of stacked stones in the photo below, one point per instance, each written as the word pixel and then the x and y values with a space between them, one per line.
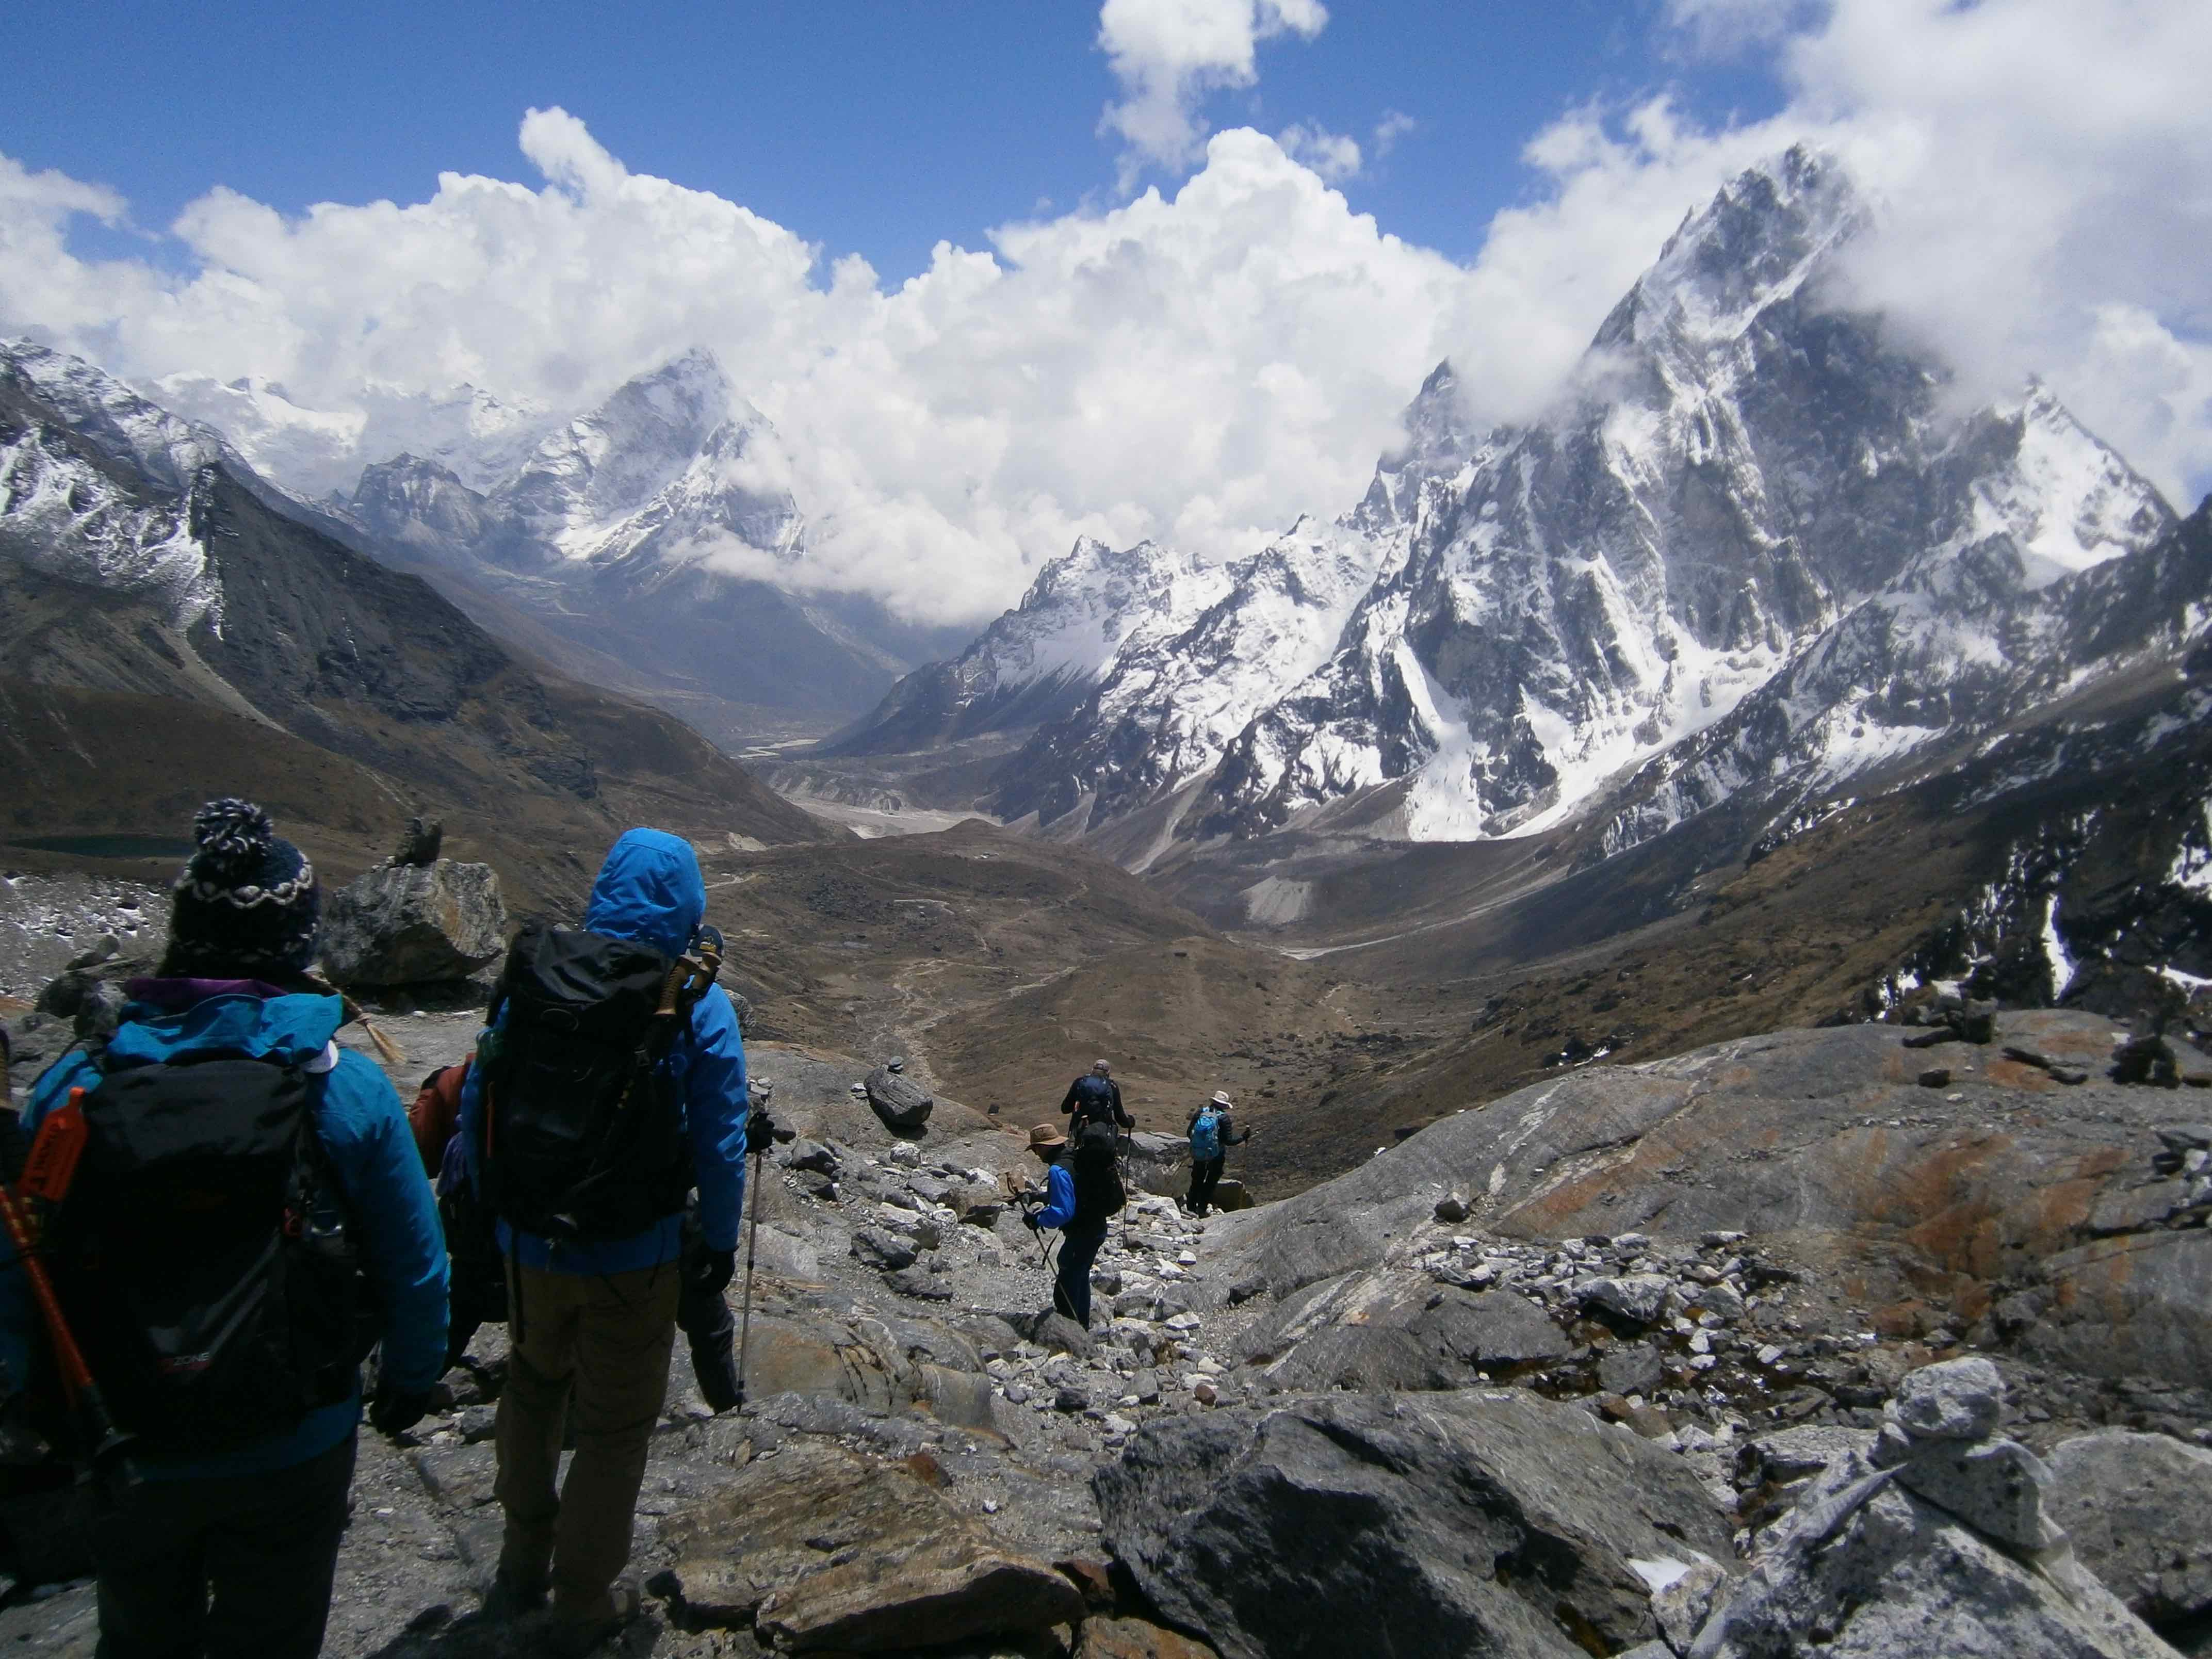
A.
pixel 1930 1535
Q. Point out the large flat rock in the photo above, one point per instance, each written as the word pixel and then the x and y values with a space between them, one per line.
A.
pixel 822 1548
pixel 1488 1524
pixel 1390 1330
pixel 1825 1136
pixel 2138 1508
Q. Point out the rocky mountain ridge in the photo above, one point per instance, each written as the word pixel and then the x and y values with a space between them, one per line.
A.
pixel 654 530
pixel 1751 498
pixel 161 614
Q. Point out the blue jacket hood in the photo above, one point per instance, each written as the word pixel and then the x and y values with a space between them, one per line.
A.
pixel 290 1029
pixel 649 890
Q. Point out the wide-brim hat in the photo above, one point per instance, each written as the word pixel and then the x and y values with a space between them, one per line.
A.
pixel 1046 1138
pixel 1221 1098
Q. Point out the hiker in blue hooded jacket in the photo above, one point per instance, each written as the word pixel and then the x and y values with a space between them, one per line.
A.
pixel 232 1552
pixel 1079 1208
pixel 599 1319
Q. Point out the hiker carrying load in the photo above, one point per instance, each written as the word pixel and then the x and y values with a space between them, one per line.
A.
pixel 475 1270
pixel 609 1081
pixel 1210 1133
pixel 1082 1192
pixel 232 1157
pixel 1095 1098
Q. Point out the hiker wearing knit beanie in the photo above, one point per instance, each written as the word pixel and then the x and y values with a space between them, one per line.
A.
pixel 251 1198
pixel 247 902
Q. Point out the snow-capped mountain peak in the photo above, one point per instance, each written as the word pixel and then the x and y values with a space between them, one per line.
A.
pixel 1761 238
pixel 589 476
pixel 96 483
pixel 1757 539
pixel 108 415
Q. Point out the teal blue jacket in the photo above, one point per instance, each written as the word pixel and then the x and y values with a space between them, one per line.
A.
pixel 649 891
pixel 362 1129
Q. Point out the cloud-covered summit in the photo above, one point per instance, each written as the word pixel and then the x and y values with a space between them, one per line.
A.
pixel 1199 364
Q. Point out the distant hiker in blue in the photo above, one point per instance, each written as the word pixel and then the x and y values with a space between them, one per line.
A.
pixel 1082 1192
pixel 1210 1133
pixel 594 1247
pixel 236 1158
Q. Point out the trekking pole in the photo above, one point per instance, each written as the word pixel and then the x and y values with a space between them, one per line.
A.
pixel 753 1249
pixel 110 1447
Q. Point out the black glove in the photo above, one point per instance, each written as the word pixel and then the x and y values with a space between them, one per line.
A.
pixel 395 1411
pixel 714 1270
pixel 760 1131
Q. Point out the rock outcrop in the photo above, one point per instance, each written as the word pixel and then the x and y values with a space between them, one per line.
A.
pixel 903 1104
pixel 2138 1511
pixel 1932 1540
pixel 1455 1524
pixel 819 1548
pixel 1820 1142
pixel 413 924
pixel 1386 1330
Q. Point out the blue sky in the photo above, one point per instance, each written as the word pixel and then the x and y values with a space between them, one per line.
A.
pixel 341 233
pixel 873 128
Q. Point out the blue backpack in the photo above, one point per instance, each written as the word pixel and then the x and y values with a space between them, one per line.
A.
pixel 1205 1134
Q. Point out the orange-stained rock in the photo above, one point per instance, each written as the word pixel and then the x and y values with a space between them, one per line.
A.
pixel 1132 1638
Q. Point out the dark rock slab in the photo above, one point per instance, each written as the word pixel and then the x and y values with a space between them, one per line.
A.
pixel 825 1549
pixel 1444 1523
pixel 903 1104
pixel 1392 1329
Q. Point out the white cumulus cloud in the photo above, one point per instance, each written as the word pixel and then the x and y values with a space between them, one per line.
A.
pixel 1204 365
pixel 1332 156
pixel 1169 54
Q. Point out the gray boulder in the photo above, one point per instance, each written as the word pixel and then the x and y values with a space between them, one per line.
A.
pixel 1631 1368
pixel 1398 1330
pixel 2138 1511
pixel 1635 1298
pixel 1866 1568
pixel 879 1248
pixel 1462 1523
pixel 413 924
pixel 805 1154
pixel 1958 1399
pixel 1997 1486
pixel 902 1102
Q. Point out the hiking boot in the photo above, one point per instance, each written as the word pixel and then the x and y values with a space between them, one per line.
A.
pixel 514 1592
pixel 572 1637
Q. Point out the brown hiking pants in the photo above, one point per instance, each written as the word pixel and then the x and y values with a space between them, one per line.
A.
pixel 609 1338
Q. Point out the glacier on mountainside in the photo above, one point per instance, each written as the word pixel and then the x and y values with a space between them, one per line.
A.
pixel 1754 545
pixel 77 447
pixel 317 454
pixel 1744 479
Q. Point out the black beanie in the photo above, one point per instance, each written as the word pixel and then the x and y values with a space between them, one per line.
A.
pixel 247 902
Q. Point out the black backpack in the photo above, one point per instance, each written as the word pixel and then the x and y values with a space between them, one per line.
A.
pixel 1094 1100
pixel 1092 1166
pixel 583 1140
pixel 203 1256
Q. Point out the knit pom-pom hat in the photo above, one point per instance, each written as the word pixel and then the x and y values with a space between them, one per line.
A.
pixel 247 902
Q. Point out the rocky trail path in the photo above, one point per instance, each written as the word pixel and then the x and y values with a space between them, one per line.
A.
pixel 1774 1343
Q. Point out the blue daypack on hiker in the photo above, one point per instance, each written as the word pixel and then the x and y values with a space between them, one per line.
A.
pixel 1205 1134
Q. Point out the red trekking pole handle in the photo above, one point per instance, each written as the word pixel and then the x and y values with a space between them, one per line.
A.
pixel 110 1447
